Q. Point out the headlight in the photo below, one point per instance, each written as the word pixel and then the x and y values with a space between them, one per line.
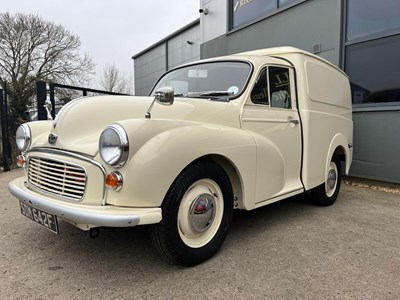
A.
pixel 23 137
pixel 114 146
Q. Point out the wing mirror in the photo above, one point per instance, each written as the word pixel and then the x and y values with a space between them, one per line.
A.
pixel 163 96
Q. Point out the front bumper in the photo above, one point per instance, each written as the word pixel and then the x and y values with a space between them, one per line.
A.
pixel 85 216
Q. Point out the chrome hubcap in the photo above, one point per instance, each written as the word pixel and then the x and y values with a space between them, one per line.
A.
pixel 201 213
pixel 331 180
pixel 332 177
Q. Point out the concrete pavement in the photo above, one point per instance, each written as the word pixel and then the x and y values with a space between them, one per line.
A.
pixel 288 250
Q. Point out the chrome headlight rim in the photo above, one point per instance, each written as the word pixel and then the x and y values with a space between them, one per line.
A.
pixel 123 146
pixel 25 138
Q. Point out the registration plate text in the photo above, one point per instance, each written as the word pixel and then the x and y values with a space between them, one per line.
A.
pixel 43 218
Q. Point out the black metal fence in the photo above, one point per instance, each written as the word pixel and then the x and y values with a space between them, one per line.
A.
pixel 44 92
pixel 5 161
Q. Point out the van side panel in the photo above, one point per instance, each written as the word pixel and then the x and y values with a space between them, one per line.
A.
pixel 326 85
pixel 320 135
pixel 325 109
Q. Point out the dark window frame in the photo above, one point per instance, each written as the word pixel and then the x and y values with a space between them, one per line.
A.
pixel 288 89
pixel 260 74
pixel 278 9
pixel 346 43
pixel 269 103
pixel 369 105
pixel 366 36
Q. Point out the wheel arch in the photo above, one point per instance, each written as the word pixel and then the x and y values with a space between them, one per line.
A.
pixel 339 147
pixel 231 171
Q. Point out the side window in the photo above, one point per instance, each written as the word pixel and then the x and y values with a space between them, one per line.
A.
pixel 279 85
pixel 259 94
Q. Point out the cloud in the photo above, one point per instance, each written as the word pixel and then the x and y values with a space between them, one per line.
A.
pixel 112 31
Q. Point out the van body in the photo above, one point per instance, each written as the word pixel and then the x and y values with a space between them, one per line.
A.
pixel 234 132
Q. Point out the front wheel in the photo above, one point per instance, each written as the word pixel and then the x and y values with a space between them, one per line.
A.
pixel 197 212
pixel 326 193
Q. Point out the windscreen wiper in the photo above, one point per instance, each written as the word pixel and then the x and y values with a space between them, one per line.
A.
pixel 216 93
pixel 212 95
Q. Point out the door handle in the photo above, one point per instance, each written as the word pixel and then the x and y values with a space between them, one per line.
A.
pixel 292 121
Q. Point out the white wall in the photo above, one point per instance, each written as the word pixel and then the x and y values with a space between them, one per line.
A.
pixel 214 24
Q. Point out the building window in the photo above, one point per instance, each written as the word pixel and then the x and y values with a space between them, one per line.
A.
pixel 374 71
pixel 286 2
pixel 245 11
pixel 372 17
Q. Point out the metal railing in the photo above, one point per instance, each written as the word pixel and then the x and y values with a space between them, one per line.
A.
pixel 42 91
pixel 5 130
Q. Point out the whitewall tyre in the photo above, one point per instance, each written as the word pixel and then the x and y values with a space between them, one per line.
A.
pixel 326 193
pixel 197 212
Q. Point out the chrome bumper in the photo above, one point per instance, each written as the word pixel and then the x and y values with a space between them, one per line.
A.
pixel 89 215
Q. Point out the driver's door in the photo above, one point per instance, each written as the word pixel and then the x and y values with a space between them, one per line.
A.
pixel 271 112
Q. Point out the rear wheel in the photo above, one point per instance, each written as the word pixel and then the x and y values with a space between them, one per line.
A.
pixel 326 193
pixel 197 213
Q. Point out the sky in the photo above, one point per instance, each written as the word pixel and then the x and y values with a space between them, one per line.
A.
pixel 112 31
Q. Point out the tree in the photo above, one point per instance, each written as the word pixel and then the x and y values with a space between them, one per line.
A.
pixel 33 49
pixel 113 81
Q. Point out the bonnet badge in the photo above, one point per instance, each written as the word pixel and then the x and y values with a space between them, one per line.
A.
pixel 52 138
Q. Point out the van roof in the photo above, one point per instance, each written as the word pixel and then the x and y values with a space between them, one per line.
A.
pixel 278 51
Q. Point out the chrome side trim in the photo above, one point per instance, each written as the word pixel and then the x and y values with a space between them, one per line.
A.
pixel 79 157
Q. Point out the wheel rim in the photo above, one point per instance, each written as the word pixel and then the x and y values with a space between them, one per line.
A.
pixel 331 180
pixel 200 213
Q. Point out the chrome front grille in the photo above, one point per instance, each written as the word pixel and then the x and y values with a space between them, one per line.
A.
pixel 57 177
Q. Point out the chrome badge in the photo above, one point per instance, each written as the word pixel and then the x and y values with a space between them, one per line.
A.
pixel 52 138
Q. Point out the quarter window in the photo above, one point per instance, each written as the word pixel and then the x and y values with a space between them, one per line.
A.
pixel 259 94
pixel 272 88
pixel 279 87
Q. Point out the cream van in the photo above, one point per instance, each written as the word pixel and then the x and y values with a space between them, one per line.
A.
pixel 234 132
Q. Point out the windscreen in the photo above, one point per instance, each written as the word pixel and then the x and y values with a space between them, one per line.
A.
pixel 226 79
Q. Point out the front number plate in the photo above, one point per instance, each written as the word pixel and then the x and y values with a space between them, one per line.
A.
pixel 43 218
